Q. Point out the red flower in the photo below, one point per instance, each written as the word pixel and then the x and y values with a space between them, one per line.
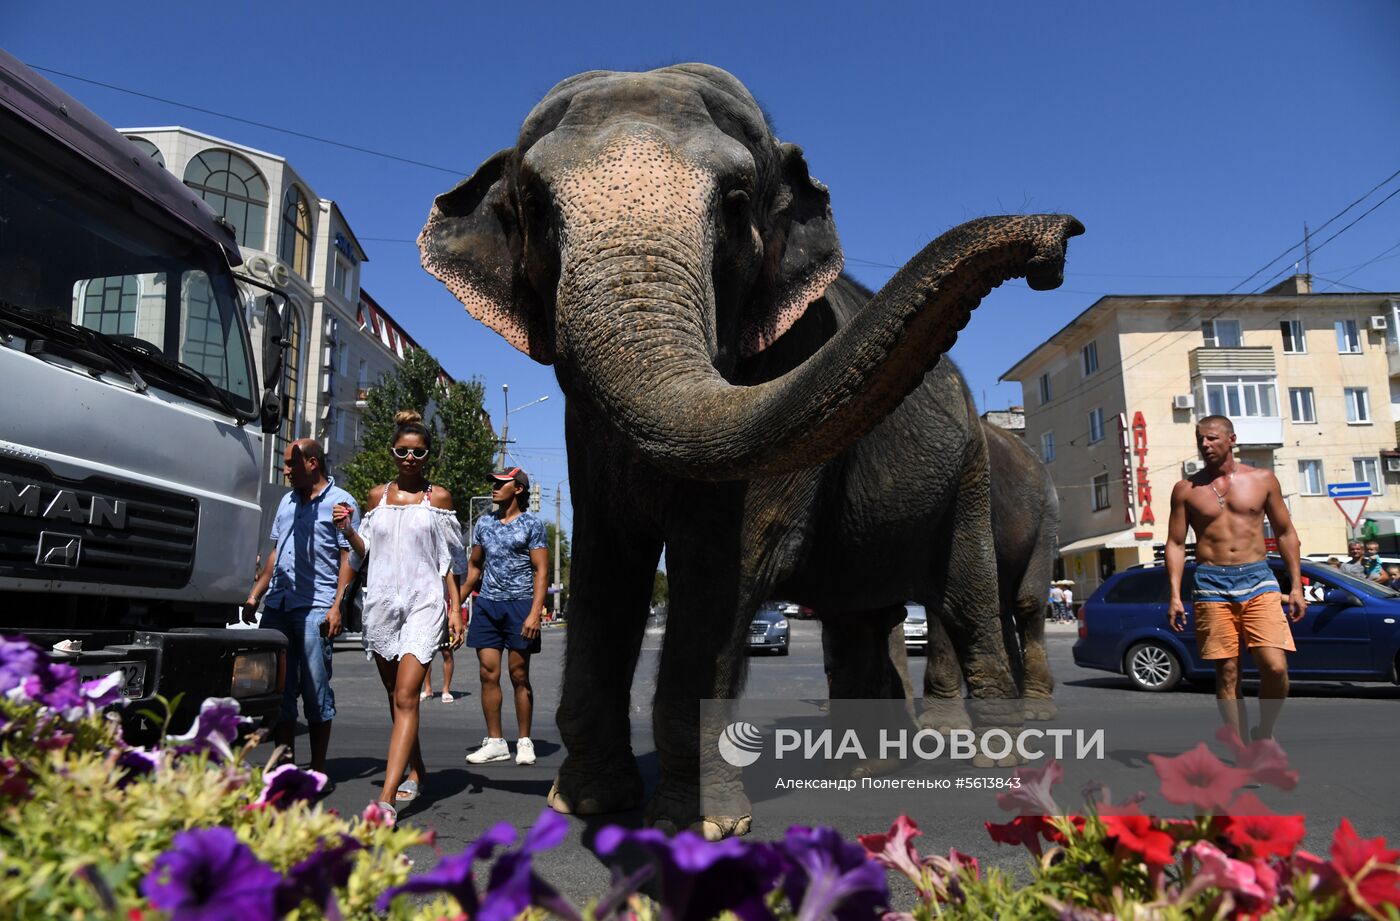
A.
pixel 1020 830
pixel 1257 832
pixel 1135 833
pixel 1198 778
pixel 895 850
pixel 1368 866
pixel 1057 836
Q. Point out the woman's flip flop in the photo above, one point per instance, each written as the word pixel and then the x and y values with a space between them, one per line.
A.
pixel 407 792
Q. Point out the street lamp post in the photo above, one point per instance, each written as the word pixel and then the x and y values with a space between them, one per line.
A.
pixel 505 419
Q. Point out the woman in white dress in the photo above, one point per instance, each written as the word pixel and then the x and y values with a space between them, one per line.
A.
pixel 412 600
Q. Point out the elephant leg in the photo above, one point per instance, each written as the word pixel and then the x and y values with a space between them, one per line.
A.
pixel 1039 682
pixel 610 581
pixel 943 683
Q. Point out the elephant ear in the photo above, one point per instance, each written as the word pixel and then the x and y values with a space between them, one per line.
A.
pixel 802 254
pixel 472 243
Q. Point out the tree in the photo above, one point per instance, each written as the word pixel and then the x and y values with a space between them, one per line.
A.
pixel 462 439
pixel 660 590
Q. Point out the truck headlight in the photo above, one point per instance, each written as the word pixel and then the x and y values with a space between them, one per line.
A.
pixel 254 673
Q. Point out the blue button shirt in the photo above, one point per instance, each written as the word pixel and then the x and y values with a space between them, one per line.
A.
pixel 308 549
pixel 507 574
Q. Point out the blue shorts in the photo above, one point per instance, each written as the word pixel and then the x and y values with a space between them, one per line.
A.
pixel 496 625
pixel 1233 584
pixel 308 662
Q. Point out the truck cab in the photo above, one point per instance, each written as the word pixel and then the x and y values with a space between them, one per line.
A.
pixel 132 415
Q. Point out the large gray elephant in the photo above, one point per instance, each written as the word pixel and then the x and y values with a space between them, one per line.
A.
pixel 1026 523
pixel 730 398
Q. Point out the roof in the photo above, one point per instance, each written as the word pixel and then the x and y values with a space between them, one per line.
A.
pixel 386 329
pixel 1109 303
pixel 60 116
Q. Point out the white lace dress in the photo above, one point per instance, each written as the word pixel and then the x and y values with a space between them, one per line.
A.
pixel 410 549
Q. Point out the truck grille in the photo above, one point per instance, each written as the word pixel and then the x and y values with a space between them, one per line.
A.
pixel 93 530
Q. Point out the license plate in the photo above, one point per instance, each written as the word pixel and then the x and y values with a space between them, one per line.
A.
pixel 133 675
pixel 756 640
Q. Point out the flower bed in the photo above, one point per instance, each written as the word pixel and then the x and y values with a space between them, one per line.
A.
pixel 93 828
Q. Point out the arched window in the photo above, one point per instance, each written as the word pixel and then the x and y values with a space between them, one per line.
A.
pixel 149 149
pixel 109 305
pixel 295 246
pixel 233 187
pixel 291 390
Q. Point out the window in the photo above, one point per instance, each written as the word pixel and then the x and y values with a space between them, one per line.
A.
pixel 342 277
pixel 1301 401
pixel 291 389
pixel 1310 482
pixel 109 305
pixel 340 431
pixel 1047 447
pixel 1096 426
pixel 1368 469
pixel 1294 340
pixel 295 245
pixel 1044 388
pixel 1100 492
pixel 1241 397
pixel 148 149
pixel 234 188
pixel 1221 334
pixel 1358 405
pixel 1348 337
pixel 362 378
pixel 1149 586
pixel 1090 356
pixel 342 365
pixel 205 333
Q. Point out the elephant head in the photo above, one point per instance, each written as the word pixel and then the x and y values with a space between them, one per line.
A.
pixel 648 231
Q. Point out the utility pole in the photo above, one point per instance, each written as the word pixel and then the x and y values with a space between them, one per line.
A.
pixel 505 423
pixel 559 594
pixel 1307 250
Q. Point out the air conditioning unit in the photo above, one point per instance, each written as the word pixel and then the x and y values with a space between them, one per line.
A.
pixel 1192 467
pixel 1392 465
pixel 1184 401
pixel 1378 323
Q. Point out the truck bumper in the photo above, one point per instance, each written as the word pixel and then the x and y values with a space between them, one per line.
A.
pixel 193 663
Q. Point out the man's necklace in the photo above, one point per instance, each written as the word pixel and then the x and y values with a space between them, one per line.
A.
pixel 1220 496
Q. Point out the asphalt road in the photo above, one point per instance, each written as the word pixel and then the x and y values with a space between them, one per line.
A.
pixel 1341 723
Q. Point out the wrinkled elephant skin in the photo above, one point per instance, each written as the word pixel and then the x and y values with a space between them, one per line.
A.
pixel 731 398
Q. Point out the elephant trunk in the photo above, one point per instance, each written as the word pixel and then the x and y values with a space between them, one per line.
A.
pixel 636 319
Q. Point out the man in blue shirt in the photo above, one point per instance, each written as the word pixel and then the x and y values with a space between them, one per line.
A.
pixel 509 560
pixel 301 581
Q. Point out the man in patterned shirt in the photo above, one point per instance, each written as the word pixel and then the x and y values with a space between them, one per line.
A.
pixel 509 564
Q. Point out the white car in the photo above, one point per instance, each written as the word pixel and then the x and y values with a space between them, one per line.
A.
pixel 915 628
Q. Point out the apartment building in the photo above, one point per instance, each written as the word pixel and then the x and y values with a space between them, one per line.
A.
pixel 342 340
pixel 1310 380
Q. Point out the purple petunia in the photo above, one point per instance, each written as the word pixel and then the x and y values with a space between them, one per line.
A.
pixel 453 875
pixel 513 885
pixel 287 784
pixel 136 762
pixel 18 660
pixel 316 877
pixel 27 673
pixel 826 877
pixel 209 875
pixel 215 729
pixel 699 878
pixel 56 686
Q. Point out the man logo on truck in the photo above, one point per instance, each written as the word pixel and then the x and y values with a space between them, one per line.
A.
pixel 64 506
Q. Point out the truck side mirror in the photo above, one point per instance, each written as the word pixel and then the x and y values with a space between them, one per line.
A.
pixel 274 348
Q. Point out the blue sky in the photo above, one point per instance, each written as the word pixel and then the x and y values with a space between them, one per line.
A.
pixel 1193 139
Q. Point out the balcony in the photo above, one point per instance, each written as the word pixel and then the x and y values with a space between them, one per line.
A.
pixel 1251 360
pixel 1392 358
pixel 1258 431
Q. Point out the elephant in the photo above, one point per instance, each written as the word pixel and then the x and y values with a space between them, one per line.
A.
pixel 729 397
pixel 1025 521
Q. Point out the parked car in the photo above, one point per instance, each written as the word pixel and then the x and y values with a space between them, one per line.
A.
pixel 915 628
pixel 769 630
pixel 1351 631
pixel 795 611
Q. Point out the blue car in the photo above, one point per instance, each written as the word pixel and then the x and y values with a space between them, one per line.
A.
pixel 1351 631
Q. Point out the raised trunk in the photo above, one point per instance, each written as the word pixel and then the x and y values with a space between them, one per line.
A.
pixel 636 318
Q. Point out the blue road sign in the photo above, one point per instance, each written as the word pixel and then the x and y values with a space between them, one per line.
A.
pixel 1348 490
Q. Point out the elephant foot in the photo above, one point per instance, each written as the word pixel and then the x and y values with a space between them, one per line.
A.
pixel 610 789
pixel 944 715
pixel 1041 709
pixel 674 807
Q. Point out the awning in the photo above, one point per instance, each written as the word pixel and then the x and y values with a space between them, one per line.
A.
pixel 1115 541
pixel 1385 522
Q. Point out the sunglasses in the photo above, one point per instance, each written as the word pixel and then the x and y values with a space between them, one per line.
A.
pixel 405 453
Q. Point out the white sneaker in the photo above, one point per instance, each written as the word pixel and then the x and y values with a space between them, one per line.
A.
pixel 524 751
pixel 490 750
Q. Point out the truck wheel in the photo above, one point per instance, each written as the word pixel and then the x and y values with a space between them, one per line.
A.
pixel 1152 667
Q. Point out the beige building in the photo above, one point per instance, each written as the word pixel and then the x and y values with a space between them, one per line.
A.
pixel 342 341
pixel 1311 382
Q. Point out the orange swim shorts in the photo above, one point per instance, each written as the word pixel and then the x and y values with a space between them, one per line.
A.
pixel 1261 619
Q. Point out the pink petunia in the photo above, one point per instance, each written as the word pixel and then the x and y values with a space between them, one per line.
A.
pixel 1265 759
pixel 895 849
pixel 1198 778
pixel 1032 796
pixel 1215 870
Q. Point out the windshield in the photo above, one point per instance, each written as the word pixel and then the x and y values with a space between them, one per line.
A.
pixel 1335 578
pixel 160 301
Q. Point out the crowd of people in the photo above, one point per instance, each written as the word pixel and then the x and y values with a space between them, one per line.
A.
pixel 408 552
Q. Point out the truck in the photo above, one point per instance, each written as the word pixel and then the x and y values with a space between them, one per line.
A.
pixel 132 416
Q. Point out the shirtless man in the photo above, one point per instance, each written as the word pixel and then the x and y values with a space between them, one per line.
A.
pixel 1235 589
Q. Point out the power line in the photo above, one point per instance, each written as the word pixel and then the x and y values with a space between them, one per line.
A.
pixel 249 121
pixel 1334 236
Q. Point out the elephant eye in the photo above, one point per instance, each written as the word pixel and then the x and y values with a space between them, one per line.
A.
pixel 736 204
